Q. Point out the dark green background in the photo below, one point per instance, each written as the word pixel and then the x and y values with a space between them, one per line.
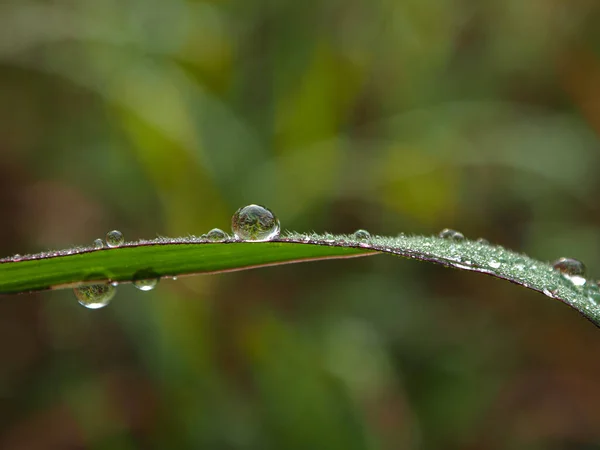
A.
pixel 163 117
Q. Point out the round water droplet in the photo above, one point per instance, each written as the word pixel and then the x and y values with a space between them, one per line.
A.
pixel 483 241
pixel 95 296
pixel 114 238
pixel 569 267
pixel 494 264
pixel 216 235
pixel 145 279
pixel 255 223
pixel 17 257
pixel 447 233
pixel 146 285
pixel 98 243
pixel 361 235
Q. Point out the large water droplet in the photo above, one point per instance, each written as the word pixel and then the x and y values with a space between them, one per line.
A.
pixel 361 235
pixel 255 223
pixel 447 233
pixel 95 296
pixel 569 267
pixel 216 235
pixel 98 243
pixel 114 238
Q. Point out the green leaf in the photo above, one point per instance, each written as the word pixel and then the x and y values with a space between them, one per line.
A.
pixel 166 257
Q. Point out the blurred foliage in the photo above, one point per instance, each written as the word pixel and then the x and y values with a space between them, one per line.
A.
pixel 163 117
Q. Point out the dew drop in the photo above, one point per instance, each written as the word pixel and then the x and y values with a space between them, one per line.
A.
pixel 17 257
pixel 216 235
pixel 255 223
pixel 483 241
pixel 95 296
pixel 98 243
pixel 569 267
pixel 114 238
pixel 146 284
pixel 361 235
pixel 145 279
pixel 550 292
pixel 447 233
pixel 494 264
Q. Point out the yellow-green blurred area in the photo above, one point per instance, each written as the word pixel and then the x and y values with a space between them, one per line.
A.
pixel 162 117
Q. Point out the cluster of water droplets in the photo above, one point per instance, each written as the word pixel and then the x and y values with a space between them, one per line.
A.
pixel 252 223
pixel 96 296
pixel 509 265
pixel 574 272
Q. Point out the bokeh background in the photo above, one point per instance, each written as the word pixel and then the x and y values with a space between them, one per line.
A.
pixel 163 117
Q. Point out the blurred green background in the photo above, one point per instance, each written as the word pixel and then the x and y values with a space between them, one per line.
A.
pixel 163 117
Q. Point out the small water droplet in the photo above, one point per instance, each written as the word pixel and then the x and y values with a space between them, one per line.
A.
pixel 95 296
pixel 361 235
pixel 145 279
pixel 447 233
pixel 146 285
pixel 483 241
pixel 98 243
pixel 114 238
pixel 494 264
pixel 569 267
pixel 174 278
pixel 17 257
pixel 216 235
pixel 114 283
pixel 550 292
pixel 255 223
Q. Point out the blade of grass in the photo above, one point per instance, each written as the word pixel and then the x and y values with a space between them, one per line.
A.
pixel 165 257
